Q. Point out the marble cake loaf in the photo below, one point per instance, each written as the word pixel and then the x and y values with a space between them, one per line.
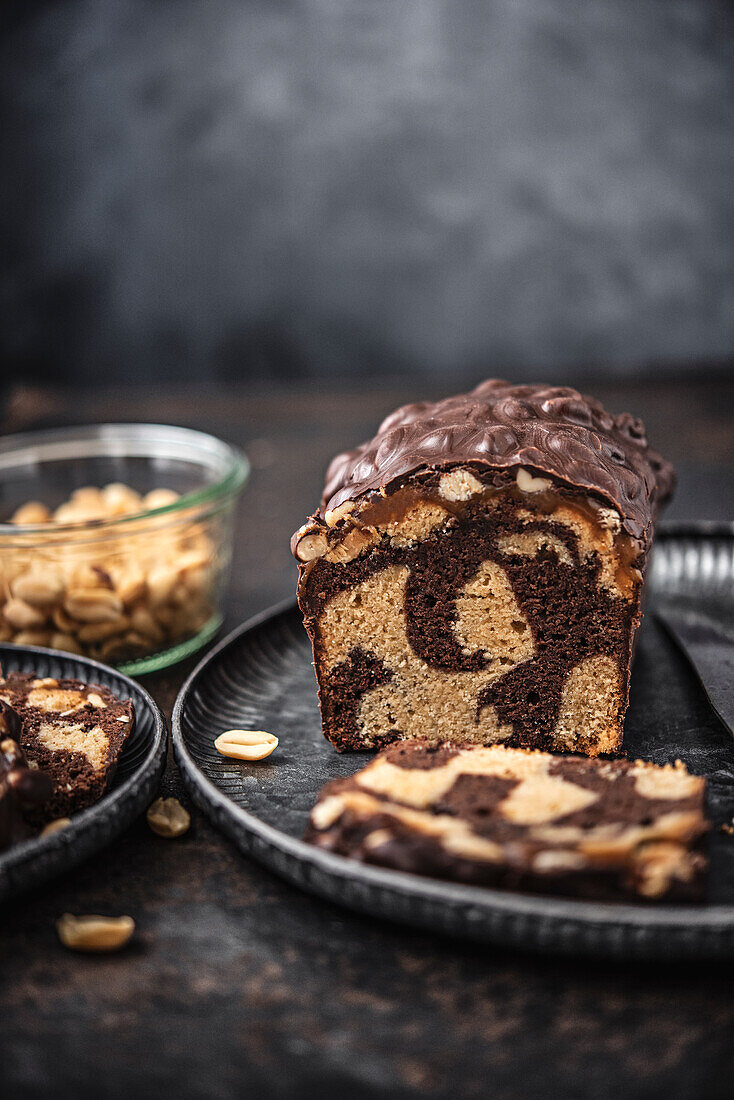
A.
pixel 72 731
pixel 521 819
pixel 475 572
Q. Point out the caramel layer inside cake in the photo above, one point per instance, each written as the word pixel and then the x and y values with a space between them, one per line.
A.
pixel 456 609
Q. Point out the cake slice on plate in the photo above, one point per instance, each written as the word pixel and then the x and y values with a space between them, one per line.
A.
pixel 23 789
pixel 73 731
pixel 521 820
pixel 475 572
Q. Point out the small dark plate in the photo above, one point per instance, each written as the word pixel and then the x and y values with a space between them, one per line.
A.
pixel 261 677
pixel 136 779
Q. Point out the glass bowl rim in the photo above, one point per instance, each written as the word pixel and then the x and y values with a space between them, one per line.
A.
pixel 236 461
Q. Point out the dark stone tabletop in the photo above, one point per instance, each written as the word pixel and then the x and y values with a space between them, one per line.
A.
pixel 238 985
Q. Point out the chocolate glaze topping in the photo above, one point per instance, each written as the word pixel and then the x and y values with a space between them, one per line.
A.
pixel 550 430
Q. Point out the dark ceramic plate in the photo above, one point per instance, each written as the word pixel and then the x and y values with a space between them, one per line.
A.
pixel 261 677
pixel 139 770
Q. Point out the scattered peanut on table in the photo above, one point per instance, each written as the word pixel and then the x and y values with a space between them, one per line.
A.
pixel 113 593
pixel 94 933
pixel 55 826
pixel 168 818
pixel 246 744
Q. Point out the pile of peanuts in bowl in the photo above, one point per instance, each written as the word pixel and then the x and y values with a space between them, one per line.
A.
pixel 99 576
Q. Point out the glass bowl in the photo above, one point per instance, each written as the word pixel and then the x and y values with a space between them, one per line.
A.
pixel 134 579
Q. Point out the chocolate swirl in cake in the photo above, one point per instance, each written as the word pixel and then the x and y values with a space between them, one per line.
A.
pixel 561 611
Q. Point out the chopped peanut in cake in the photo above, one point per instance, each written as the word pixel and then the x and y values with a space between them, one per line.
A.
pixel 74 732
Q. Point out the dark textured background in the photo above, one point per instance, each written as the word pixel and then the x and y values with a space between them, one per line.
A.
pixel 282 188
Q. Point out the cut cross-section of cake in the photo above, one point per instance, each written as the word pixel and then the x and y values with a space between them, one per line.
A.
pixel 73 731
pixel 521 819
pixel 23 789
pixel 475 572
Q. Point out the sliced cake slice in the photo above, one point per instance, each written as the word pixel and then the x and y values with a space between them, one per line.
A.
pixel 72 731
pixel 521 819
pixel 23 789
pixel 475 572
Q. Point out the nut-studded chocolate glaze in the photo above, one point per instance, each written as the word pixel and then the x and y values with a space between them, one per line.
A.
pixel 497 816
pixel 481 470
pixel 550 429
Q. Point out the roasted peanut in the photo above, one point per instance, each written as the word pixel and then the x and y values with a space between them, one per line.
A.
pixel 67 642
pixel 21 615
pixel 55 826
pixel 121 500
pixel 129 583
pixel 32 637
pixel 31 513
pixel 100 632
pixel 94 933
pixel 89 496
pixel 161 582
pixel 336 515
pixel 527 483
pixel 159 498
pixel 143 622
pixel 73 512
pixel 197 581
pixel 246 744
pixel 312 546
pixel 93 605
pixel 104 603
pixel 64 622
pixel 37 588
pixel 168 818
pixel 136 642
pixel 91 576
